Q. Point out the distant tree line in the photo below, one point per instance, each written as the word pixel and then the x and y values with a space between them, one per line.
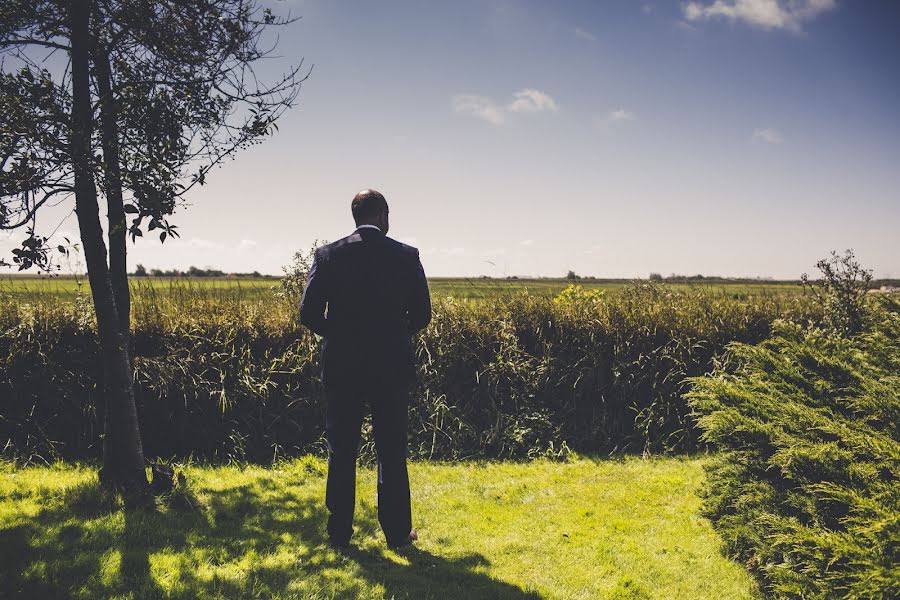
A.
pixel 142 271
pixel 678 278
pixel 699 278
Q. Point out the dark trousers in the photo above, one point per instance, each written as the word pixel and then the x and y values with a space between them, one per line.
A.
pixel 343 421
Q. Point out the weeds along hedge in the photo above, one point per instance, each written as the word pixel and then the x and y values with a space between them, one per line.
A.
pixel 808 493
pixel 220 375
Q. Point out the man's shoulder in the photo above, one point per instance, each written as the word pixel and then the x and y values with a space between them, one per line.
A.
pixel 326 250
pixel 401 247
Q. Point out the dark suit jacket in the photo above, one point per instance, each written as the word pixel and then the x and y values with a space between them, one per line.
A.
pixel 366 295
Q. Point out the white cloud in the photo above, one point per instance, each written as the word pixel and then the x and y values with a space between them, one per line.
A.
pixel 478 106
pixel 526 243
pixel 584 34
pixel 768 135
pixel 621 115
pixel 614 119
pixel 532 101
pixel 247 244
pixel 525 101
pixel 202 244
pixel 444 252
pixel 768 14
pixel 685 26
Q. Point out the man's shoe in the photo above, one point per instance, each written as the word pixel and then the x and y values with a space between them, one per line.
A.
pixel 339 545
pixel 412 537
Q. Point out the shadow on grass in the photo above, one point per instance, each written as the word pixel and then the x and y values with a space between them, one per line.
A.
pixel 257 540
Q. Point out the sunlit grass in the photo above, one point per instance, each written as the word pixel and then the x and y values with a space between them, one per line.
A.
pixel 251 288
pixel 478 288
pixel 581 529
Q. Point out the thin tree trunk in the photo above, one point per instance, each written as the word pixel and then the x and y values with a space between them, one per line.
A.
pixel 109 136
pixel 123 456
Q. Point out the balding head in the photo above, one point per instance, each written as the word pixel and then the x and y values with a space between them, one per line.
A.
pixel 370 208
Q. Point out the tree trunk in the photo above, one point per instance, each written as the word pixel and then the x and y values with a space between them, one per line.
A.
pixel 109 136
pixel 123 456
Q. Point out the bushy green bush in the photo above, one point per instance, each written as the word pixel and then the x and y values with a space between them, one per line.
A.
pixel 221 374
pixel 808 492
pixel 841 291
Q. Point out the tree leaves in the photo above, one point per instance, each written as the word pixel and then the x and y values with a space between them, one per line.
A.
pixel 186 97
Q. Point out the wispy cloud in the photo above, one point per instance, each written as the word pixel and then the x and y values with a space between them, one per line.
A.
pixel 201 244
pixel 531 101
pixel 585 34
pixel 620 115
pixel 526 243
pixel 247 244
pixel 480 107
pixel 445 252
pixel 767 14
pixel 525 101
pixel 768 135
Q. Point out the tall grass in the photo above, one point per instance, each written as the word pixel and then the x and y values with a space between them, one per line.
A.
pixel 223 374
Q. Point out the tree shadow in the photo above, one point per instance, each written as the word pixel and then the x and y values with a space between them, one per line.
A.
pixel 260 539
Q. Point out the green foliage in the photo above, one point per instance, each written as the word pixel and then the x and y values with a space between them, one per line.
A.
pixel 808 493
pixel 841 292
pixel 294 280
pixel 575 294
pixel 183 97
pixel 489 530
pixel 221 374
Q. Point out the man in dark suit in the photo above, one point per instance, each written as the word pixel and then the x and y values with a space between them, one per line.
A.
pixel 366 295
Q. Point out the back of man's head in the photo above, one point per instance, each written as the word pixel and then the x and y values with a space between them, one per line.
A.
pixel 369 207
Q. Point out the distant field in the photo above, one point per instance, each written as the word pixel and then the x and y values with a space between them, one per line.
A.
pixel 70 286
pixel 462 288
pixel 480 288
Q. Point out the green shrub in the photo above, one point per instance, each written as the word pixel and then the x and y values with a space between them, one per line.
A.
pixel 575 294
pixel 841 292
pixel 808 492
pixel 222 374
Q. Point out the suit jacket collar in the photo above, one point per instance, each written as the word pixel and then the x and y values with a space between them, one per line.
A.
pixel 369 231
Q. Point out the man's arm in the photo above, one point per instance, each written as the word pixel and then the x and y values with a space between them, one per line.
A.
pixel 312 306
pixel 419 306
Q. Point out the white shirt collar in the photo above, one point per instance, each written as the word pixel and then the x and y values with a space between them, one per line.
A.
pixel 367 225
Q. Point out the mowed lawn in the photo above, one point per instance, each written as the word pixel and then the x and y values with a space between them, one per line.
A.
pixel 578 529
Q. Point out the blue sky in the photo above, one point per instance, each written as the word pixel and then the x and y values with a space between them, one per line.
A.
pixel 735 137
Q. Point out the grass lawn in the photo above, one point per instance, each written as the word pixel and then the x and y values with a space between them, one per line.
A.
pixel 582 529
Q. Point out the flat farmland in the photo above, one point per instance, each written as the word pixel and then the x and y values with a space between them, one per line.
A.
pixel 457 287
pixel 69 287
pixel 485 288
